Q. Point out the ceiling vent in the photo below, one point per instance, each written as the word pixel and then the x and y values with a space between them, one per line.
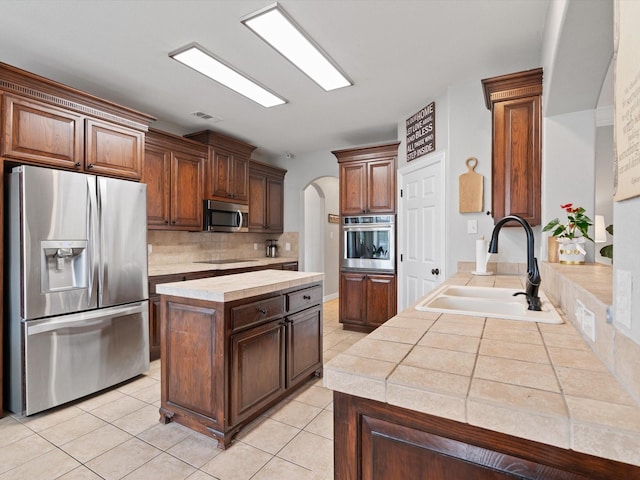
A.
pixel 206 116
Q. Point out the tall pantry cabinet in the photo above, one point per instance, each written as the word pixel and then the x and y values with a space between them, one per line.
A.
pixel 367 187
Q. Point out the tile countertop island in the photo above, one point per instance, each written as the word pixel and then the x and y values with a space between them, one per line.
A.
pixel 538 382
pixel 236 287
pixel 235 345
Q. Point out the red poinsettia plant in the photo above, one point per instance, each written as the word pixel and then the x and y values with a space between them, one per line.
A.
pixel 577 224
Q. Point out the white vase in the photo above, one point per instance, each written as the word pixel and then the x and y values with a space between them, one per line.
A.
pixel 571 251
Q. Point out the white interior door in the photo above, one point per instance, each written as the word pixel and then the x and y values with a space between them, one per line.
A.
pixel 422 229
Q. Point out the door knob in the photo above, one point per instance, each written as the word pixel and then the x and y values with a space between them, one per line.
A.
pixel 435 271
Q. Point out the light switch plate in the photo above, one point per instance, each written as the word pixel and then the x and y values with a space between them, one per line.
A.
pixel 589 324
pixel 472 226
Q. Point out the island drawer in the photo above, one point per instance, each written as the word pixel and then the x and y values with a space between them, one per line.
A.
pixel 304 298
pixel 255 313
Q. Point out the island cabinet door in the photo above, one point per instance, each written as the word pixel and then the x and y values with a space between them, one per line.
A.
pixel 257 368
pixel 193 360
pixel 304 345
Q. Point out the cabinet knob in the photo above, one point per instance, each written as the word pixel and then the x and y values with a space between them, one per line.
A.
pixel 90 166
pixel 306 297
pixel 435 271
pixel 78 164
pixel 174 222
pixel 262 310
pixel 166 221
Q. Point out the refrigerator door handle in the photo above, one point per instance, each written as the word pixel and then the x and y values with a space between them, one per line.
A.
pixel 92 238
pixel 83 319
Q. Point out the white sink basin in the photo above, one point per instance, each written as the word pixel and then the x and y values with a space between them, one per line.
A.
pixel 487 302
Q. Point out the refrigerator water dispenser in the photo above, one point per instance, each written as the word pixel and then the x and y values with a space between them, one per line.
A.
pixel 64 265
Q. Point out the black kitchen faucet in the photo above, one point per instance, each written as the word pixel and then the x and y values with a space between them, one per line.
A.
pixel 533 274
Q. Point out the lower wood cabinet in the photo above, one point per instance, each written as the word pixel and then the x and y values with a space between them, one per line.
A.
pixel 257 368
pixel 225 363
pixel 367 300
pixel 378 441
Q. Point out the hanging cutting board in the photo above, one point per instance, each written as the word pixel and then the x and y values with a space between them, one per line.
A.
pixel 470 188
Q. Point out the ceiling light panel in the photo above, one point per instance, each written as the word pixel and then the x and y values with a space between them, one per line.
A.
pixel 279 30
pixel 196 57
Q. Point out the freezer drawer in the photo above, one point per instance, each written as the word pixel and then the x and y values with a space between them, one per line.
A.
pixel 71 356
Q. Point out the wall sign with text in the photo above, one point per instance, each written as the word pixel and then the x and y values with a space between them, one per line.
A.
pixel 627 100
pixel 421 132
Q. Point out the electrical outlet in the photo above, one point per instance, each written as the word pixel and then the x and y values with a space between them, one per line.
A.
pixel 149 248
pixel 255 246
pixel 472 226
pixel 287 246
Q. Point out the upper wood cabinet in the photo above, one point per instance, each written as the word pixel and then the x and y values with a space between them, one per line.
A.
pixel 226 170
pixel 173 172
pixel 113 150
pixel 41 133
pixel 46 123
pixel 266 198
pixel 368 179
pixel 515 101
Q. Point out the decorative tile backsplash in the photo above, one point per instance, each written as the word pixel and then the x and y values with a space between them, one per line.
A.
pixel 184 247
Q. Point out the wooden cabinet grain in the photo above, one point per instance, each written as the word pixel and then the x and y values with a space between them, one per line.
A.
pixel 113 150
pixel 154 298
pixel 173 172
pixel 368 179
pixel 257 368
pixel 41 133
pixel 226 172
pixel 376 441
pixel 44 134
pixel 266 198
pixel 369 300
pixel 515 101
pixel 241 357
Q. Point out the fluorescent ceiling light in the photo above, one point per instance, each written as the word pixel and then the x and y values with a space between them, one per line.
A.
pixel 199 59
pixel 280 31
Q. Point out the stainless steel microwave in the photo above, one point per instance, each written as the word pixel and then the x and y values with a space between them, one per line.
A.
pixel 225 217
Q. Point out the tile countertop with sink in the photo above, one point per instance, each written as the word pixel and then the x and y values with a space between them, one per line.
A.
pixel 536 381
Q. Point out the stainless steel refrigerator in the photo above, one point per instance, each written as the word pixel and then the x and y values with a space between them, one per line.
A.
pixel 77 317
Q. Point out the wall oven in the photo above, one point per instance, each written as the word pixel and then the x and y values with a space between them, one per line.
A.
pixel 225 217
pixel 368 243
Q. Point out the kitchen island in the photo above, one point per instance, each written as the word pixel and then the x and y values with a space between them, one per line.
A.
pixel 233 346
pixel 430 395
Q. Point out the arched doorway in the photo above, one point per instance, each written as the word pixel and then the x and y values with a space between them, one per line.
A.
pixel 320 239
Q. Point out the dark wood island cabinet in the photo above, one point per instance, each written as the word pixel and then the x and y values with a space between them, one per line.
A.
pixel 230 352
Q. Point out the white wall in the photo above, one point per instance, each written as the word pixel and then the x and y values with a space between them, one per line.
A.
pixel 626 220
pixel 321 238
pixel 313 253
pixel 568 167
pixel 463 129
pixel 604 183
pixel 302 169
pixel 330 231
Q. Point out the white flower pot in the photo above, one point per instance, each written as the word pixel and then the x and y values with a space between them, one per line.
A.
pixel 571 251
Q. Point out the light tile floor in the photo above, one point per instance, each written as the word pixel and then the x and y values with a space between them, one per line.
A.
pixel 116 435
